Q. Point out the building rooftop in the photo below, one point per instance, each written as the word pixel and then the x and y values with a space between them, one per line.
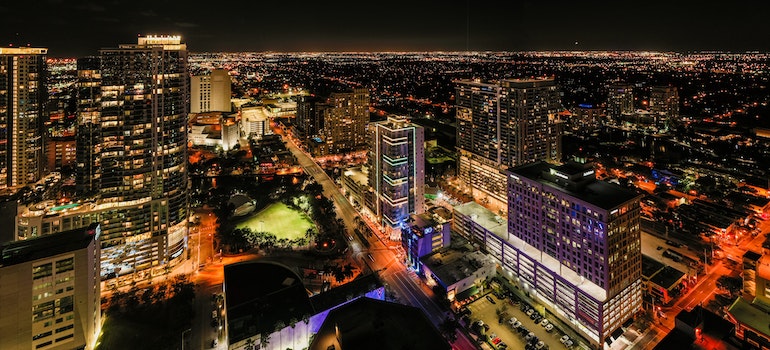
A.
pixel 339 295
pixel 755 315
pixel 599 193
pixel 258 295
pixel 454 264
pixel 357 175
pixel 751 255
pixel 667 277
pixel 19 252
pixel 488 220
pixel 715 331
pixel 484 218
pixel 377 325
pixel 650 266
pixel 261 294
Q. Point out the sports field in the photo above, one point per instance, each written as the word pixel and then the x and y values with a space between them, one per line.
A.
pixel 279 220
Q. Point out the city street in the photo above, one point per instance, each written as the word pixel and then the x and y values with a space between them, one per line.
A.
pixel 394 274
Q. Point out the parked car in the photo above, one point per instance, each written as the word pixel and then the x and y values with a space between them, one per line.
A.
pixel 568 343
pixel 529 336
pixel 549 327
pixel 512 320
pixel 564 338
pixel 530 312
pixel 540 345
pixel 516 324
pixel 491 300
pixel 544 322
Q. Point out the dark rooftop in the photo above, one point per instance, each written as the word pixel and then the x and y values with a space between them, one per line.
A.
pixel 19 252
pixel 377 325
pixel 667 277
pixel 261 294
pixel 599 193
pixel 338 295
pixel 751 255
pixel 716 330
pixel 650 266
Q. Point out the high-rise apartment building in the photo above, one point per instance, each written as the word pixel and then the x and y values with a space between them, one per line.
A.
pixel 396 172
pixel 620 100
pixel 133 104
pixel 570 241
pixel 143 133
pixel 664 100
pixel 88 142
pixel 210 92
pixel 50 294
pixel 504 124
pixel 345 115
pixel 23 97
pixel 307 122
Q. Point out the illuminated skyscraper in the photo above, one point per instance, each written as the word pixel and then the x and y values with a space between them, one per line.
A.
pixel 396 172
pixel 23 96
pixel 211 92
pixel 620 101
pixel 664 100
pixel 143 130
pixel 344 115
pixel 501 125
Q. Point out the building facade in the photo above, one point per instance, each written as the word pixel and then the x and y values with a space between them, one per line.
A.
pixel 501 125
pixel 664 100
pixel 424 234
pixel 22 109
pixel 750 312
pixel 585 235
pixel 620 100
pixel 143 127
pixel 88 115
pixel 344 115
pixel 396 172
pixel 50 293
pixel 571 242
pixel 210 92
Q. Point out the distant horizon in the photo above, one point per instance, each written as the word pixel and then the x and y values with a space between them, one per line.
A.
pixel 454 52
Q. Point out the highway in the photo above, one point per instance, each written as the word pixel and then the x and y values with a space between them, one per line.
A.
pixel 404 283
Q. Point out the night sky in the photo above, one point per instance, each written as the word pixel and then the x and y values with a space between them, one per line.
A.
pixel 78 28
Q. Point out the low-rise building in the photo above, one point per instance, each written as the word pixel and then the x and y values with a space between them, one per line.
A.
pixel 457 270
pixel 661 282
pixel 214 129
pixel 751 316
pixel 424 234
pixel 377 325
pixel 268 307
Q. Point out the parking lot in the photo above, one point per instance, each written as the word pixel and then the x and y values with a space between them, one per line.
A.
pixel 484 310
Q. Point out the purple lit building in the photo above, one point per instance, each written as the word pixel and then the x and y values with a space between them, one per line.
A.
pixel 572 243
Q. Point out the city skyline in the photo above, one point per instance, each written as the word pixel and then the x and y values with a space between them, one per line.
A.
pixel 399 26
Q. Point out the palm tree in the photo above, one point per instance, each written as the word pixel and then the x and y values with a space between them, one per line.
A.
pixel 250 344
pixel 264 340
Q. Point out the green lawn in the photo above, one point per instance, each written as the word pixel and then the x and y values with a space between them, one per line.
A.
pixel 279 220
